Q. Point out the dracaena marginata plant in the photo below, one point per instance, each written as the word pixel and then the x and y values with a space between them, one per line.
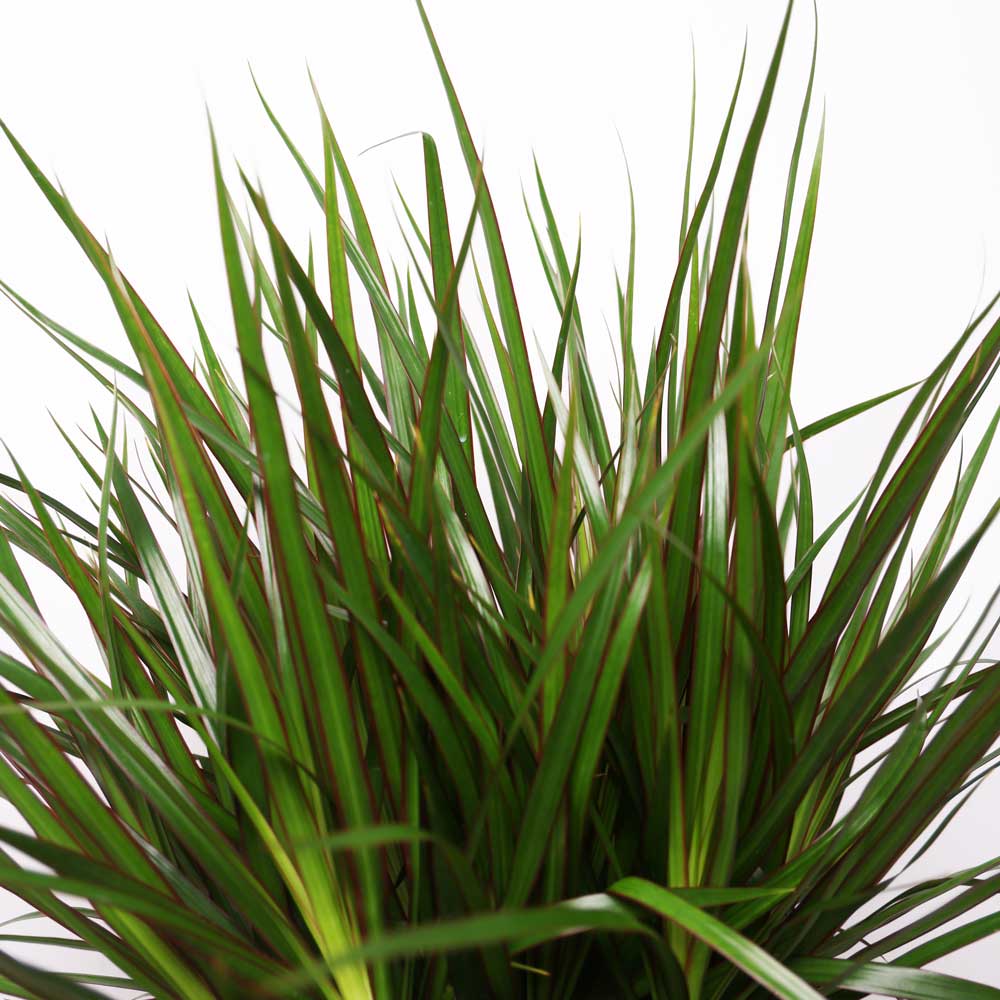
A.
pixel 466 687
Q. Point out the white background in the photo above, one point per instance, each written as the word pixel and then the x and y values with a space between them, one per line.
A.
pixel 111 97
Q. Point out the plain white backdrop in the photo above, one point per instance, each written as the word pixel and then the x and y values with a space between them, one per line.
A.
pixel 111 97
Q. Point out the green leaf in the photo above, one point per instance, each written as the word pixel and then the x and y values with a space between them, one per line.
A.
pixel 890 979
pixel 741 951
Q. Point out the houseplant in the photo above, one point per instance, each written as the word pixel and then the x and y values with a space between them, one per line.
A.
pixel 490 692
